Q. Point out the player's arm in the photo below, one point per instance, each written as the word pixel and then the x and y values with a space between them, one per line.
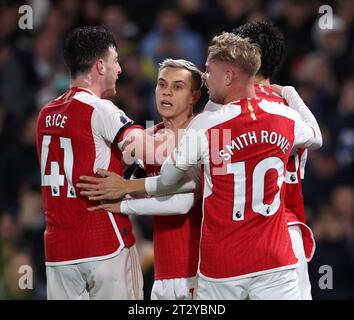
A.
pixel 111 124
pixel 191 149
pixel 167 204
pixel 188 183
pixel 111 186
pixel 163 206
pixel 296 103
pixel 304 136
pixel 138 144
pixel 115 127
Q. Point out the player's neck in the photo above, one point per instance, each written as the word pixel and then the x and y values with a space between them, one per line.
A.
pixel 86 82
pixel 262 80
pixel 179 122
pixel 240 92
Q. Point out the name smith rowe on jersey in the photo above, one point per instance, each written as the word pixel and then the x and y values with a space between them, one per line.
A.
pixel 251 137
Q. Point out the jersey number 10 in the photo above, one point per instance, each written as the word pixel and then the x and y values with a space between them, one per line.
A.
pixel 239 171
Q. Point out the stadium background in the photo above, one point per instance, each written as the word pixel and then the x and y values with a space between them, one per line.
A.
pixel 319 63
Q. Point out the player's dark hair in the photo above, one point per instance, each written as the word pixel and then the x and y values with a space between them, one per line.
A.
pixel 269 39
pixel 84 45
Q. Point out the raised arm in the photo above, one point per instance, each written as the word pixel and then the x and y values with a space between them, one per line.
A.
pixel 295 102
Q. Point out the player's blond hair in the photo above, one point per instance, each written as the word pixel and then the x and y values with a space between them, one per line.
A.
pixel 184 64
pixel 237 51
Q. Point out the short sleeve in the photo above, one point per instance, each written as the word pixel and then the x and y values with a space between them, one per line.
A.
pixel 110 122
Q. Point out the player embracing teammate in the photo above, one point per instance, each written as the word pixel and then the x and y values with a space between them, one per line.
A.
pixel 249 146
pixel 245 249
pixel 271 44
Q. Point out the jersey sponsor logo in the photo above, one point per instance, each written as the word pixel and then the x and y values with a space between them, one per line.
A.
pixel 123 119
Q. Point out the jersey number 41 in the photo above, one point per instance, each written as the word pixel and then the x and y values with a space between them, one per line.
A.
pixel 56 180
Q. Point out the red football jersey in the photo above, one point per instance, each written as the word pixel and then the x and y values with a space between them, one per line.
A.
pixel 244 148
pixel 176 239
pixel 294 202
pixel 76 134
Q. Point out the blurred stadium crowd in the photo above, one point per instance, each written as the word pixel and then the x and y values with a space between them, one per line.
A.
pixel 318 62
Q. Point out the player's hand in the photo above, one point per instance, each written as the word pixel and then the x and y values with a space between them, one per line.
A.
pixel 113 207
pixel 110 186
pixel 276 88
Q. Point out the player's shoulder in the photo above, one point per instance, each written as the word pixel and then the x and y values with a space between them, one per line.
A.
pixel 47 108
pixel 278 108
pixel 95 102
pixel 211 106
pixel 267 93
pixel 214 116
pixel 200 121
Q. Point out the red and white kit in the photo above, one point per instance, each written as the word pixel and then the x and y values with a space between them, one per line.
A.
pixel 77 134
pixel 302 237
pixel 243 146
pixel 295 172
pixel 176 237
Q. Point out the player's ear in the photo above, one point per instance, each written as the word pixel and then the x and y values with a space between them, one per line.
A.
pixel 196 96
pixel 100 67
pixel 229 75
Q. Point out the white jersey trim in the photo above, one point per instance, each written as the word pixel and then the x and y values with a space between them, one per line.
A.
pixel 98 258
pixel 303 160
pixel 311 234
